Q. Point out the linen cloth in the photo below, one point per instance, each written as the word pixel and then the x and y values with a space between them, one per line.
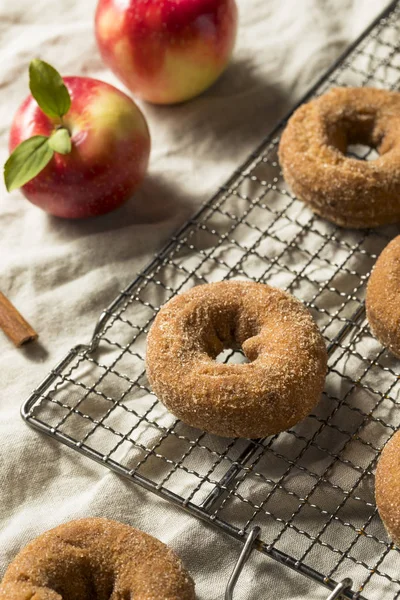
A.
pixel 61 274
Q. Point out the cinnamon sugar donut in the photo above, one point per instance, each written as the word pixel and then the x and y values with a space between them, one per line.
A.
pixel 278 387
pixel 383 297
pixel 96 559
pixel 312 153
pixel 387 487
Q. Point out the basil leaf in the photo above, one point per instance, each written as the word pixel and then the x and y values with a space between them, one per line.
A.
pixel 48 89
pixel 27 160
pixel 60 141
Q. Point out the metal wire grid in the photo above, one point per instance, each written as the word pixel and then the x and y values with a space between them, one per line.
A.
pixel 310 489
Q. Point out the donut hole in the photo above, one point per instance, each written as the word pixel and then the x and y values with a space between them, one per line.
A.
pixel 361 152
pixel 77 576
pixel 231 342
pixel 231 356
pixel 356 136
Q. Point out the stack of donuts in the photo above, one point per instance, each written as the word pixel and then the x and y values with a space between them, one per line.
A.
pixel 286 356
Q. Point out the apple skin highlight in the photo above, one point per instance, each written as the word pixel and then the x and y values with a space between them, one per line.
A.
pixel 109 157
pixel 166 51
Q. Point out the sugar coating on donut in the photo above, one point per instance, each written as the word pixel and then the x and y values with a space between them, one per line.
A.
pixel 278 387
pixel 383 297
pixel 387 487
pixel 96 559
pixel 342 189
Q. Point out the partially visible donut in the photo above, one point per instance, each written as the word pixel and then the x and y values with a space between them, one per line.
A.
pixel 312 154
pixel 383 297
pixel 387 487
pixel 278 387
pixel 96 559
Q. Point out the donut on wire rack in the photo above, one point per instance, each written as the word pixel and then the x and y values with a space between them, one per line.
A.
pixel 96 558
pixel 387 487
pixel 383 297
pixel 312 153
pixel 279 385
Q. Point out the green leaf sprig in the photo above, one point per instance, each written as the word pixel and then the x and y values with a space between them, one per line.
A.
pixel 31 156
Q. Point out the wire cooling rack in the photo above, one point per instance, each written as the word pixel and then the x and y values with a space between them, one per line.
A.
pixel 310 490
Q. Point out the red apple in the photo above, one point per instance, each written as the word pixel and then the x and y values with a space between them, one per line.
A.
pixel 109 155
pixel 166 51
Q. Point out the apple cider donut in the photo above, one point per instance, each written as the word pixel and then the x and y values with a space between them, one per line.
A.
pixel 383 297
pixel 278 387
pixel 96 559
pixel 387 487
pixel 312 154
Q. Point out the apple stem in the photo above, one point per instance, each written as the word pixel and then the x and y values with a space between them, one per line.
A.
pixel 62 125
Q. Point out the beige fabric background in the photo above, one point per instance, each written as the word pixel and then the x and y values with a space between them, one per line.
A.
pixel 61 274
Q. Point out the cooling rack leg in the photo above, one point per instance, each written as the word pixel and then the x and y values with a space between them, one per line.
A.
pixel 340 588
pixel 244 555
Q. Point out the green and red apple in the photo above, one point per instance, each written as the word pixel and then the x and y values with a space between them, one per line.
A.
pixel 80 147
pixel 166 51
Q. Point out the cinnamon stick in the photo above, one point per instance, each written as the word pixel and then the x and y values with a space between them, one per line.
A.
pixel 13 323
